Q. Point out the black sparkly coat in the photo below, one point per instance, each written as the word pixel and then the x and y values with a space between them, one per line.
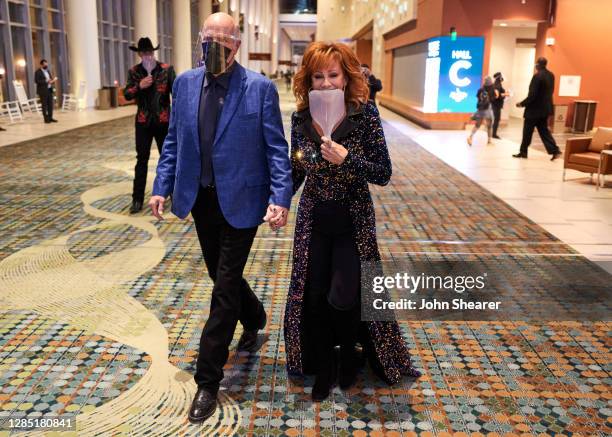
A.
pixel 368 161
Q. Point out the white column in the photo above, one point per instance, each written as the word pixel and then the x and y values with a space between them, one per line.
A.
pixel 244 46
pixel 82 27
pixel 205 10
pixel 275 36
pixel 250 17
pixel 145 20
pixel 181 35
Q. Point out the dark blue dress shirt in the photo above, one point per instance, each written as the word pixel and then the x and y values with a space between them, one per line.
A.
pixel 211 104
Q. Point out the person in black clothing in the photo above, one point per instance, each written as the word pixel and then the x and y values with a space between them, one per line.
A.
pixel 497 102
pixel 44 89
pixel 374 83
pixel 538 107
pixel 150 83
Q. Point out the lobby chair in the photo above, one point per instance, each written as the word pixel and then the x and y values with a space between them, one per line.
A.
pixel 584 154
pixel 71 102
pixel 11 111
pixel 27 105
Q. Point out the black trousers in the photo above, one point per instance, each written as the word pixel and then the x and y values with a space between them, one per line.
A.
pixel 226 250
pixel 542 126
pixel 332 294
pixel 46 101
pixel 144 138
pixel 496 117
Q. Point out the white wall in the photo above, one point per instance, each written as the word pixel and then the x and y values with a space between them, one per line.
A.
pixel 521 76
pixel 503 58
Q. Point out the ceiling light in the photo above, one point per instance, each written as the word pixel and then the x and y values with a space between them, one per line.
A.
pixel 503 24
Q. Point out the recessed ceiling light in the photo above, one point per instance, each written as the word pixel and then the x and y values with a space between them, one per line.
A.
pixel 503 24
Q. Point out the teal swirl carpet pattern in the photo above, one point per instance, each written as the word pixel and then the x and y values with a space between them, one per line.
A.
pixel 101 312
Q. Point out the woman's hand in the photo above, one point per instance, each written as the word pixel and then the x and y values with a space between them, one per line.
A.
pixel 332 151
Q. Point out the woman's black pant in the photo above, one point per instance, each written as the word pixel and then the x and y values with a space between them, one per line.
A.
pixel 332 293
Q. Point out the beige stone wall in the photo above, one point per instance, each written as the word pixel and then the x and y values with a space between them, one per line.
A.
pixel 338 19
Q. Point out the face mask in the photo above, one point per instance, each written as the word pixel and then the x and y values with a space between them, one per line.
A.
pixel 148 62
pixel 327 108
pixel 216 56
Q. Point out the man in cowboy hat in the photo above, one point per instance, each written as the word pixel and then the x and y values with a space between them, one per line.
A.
pixel 150 83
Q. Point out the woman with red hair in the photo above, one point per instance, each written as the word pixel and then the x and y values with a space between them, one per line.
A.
pixel 336 228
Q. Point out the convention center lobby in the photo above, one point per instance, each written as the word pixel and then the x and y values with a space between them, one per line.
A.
pixel 103 305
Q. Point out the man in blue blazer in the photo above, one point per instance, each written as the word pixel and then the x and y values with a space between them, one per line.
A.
pixel 225 160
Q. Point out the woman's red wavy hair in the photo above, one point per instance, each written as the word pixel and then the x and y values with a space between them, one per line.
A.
pixel 317 56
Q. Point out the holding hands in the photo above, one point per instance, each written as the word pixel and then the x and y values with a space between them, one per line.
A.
pixel 276 216
pixel 332 151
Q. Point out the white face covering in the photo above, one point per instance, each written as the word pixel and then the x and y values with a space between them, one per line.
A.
pixel 327 108
pixel 149 63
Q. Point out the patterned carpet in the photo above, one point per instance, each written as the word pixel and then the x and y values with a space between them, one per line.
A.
pixel 101 312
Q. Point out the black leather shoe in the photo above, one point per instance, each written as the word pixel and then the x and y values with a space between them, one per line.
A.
pixel 136 207
pixel 555 156
pixel 47 121
pixel 248 339
pixel 2 129
pixel 496 137
pixel 53 120
pixel 520 155
pixel 203 406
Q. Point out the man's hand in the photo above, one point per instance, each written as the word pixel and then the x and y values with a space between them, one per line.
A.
pixel 332 151
pixel 518 105
pixel 146 82
pixel 276 216
pixel 157 206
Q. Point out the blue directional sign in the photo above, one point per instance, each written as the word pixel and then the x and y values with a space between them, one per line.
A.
pixel 453 73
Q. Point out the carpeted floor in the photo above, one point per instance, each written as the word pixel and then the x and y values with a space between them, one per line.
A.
pixel 101 312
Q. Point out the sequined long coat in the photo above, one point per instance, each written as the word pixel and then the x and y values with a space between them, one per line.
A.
pixel 368 161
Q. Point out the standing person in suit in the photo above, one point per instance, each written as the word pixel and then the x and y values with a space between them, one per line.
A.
pixel 150 83
pixel 44 89
pixel 538 107
pixel 228 181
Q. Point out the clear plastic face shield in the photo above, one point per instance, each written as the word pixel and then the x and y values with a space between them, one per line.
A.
pixel 219 45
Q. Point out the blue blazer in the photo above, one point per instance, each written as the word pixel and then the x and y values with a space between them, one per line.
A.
pixel 250 154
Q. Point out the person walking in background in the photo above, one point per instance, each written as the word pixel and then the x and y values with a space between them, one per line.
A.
pixel 226 161
pixel 288 79
pixel 538 107
pixel 483 112
pixel 374 84
pixel 150 83
pixel 44 89
pixel 498 101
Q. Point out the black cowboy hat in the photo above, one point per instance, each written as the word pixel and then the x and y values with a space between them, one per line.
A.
pixel 144 45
